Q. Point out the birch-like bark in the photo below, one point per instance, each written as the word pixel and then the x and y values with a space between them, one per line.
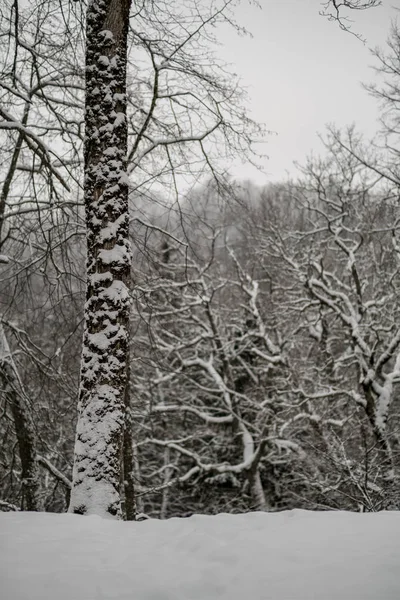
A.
pixel 100 429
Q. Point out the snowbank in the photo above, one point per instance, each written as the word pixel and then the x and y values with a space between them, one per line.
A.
pixel 292 555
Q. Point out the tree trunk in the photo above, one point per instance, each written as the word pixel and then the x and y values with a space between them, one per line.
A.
pixel 105 354
pixel 167 479
pixel 24 427
pixel 385 456
pixel 128 461
pixel 259 500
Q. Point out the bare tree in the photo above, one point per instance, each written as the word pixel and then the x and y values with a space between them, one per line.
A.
pixel 24 426
pixel 336 10
pixel 105 358
pixel 35 105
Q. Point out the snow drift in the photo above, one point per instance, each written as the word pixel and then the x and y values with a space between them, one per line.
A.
pixel 293 555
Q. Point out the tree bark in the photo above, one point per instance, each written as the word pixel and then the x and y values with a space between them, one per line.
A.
pixel 24 427
pixel 105 354
pixel 384 449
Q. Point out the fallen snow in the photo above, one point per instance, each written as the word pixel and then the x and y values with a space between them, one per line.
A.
pixel 293 555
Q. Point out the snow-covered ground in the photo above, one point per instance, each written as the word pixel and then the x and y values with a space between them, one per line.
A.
pixel 291 555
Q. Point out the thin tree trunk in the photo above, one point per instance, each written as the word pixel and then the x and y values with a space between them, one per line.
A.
pixel 15 394
pixel 167 479
pixel 105 354
pixel 257 491
pixel 136 469
pixel 128 461
pixel 129 475
pixel 24 427
pixel 385 456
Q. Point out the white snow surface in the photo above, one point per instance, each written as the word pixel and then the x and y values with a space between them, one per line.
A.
pixel 292 555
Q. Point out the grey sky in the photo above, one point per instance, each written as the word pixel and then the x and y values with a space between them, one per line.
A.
pixel 302 72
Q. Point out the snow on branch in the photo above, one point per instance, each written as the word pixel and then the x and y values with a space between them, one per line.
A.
pixel 190 409
pixel 7 506
pixel 35 143
pixel 54 471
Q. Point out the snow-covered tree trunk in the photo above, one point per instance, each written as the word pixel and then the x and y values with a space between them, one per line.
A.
pixel 24 426
pixel 377 409
pixel 100 429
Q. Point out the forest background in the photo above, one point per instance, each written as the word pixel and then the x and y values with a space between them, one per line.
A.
pixel 265 351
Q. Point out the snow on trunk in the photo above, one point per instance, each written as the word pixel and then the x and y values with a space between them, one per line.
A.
pixel 99 437
pixel 379 399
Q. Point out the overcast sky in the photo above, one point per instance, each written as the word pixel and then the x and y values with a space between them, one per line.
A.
pixel 302 72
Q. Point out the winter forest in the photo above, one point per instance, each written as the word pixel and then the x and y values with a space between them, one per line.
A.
pixel 174 341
